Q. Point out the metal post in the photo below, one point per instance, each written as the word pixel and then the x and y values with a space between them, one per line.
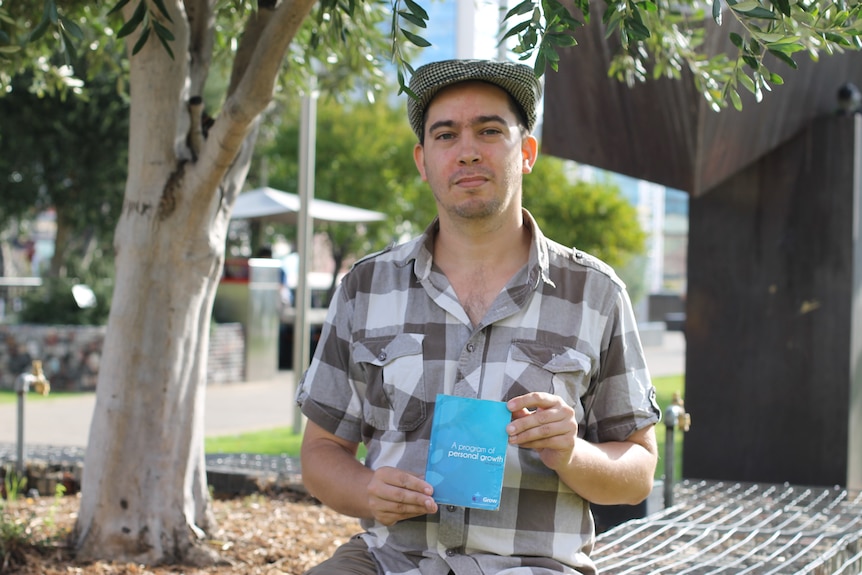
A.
pixel 21 389
pixel 669 457
pixel 22 386
pixel 302 301
pixel 675 415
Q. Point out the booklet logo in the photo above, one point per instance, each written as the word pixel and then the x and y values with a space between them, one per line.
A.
pixel 479 498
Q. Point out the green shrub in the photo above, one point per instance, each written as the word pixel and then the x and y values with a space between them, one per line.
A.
pixel 54 303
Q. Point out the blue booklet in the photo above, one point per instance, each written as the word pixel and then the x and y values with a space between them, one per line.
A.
pixel 467 454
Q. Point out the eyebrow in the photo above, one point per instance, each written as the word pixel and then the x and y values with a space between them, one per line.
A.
pixel 475 121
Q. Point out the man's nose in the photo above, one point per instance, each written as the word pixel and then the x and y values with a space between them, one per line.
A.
pixel 469 152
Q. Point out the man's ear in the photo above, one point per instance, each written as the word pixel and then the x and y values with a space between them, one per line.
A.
pixel 419 160
pixel 529 153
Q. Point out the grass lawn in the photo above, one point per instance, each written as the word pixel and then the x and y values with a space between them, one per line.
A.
pixel 282 440
pixel 7 396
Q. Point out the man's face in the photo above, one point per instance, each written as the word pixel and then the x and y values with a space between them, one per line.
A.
pixel 475 154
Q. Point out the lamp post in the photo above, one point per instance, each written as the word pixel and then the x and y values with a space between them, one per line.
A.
pixel 307 144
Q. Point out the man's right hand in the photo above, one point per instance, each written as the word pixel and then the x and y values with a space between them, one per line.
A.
pixel 394 494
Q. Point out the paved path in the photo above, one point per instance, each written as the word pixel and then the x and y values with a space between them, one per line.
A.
pixel 230 408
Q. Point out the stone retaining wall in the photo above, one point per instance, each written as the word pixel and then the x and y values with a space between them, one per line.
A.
pixel 71 354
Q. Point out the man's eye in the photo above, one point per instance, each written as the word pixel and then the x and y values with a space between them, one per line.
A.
pixel 492 131
pixel 444 136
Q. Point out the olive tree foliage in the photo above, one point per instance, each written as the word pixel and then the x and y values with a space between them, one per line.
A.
pixel 591 216
pixel 594 217
pixel 656 38
pixel 144 494
pixel 69 154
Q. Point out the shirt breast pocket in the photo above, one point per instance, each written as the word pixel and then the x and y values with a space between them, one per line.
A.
pixel 395 396
pixel 536 366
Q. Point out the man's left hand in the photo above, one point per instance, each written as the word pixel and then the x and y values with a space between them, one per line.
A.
pixel 542 421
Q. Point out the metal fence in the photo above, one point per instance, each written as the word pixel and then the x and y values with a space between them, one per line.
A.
pixel 740 528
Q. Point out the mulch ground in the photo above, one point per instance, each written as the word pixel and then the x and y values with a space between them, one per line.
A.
pixel 256 535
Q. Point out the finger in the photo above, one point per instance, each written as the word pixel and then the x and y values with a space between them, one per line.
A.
pixel 404 480
pixel 395 494
pixel 388 511
pixel 533 401
pixel 528 419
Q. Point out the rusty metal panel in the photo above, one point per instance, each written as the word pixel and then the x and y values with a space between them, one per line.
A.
pixel 768 328
pixel 663 131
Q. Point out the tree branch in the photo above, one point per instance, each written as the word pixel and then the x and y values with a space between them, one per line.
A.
pixel 265 40
pixel 201 19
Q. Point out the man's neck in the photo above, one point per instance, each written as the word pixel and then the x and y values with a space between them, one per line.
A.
pixel 482 243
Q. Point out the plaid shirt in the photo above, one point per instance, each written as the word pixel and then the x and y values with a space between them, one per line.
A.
pixel 396 336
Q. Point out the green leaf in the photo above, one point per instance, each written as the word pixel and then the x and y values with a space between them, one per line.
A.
pixel 839 39
pixel 754 9
pixel 51 11
pixel 783 6
pixel 69 46
pixel 9 49
pixel 416 9
pixel 550 54
pixel 540 65
pixel 417 40
pixel 636 29
pixel 776 79
pixel 735 99
pixel 747 82
pixel 163 32
pixel 145 33
pixel 784 58
pixel 118 6
pixel 72 28
pixel 134 21
pixel 751 62
pixel 40 29
pixel 561 40
pixel 786 47
pixel 762 13
pixel 521 9
pixel 412 18
pixel 612 23
pixel 164 42
pixel 160 4
pixel 768 38
pixel 716 11
pixel 793 43
pixel 736 39
pixel 745 6
pixel 754 46
pixel 517 29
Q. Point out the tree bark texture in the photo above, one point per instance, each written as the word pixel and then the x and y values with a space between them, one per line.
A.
pixel 144 491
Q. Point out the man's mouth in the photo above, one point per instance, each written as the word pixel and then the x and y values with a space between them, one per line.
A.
pixel 471 180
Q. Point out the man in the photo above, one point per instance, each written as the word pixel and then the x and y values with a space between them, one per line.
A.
pixel 481 305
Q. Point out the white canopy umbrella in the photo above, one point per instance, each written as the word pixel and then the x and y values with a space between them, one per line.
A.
pixel 274 205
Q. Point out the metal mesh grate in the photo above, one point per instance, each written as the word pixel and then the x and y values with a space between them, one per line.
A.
pixel 740 528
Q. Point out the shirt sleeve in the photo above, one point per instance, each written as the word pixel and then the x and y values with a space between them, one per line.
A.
pixel 622 398
pixel 328 393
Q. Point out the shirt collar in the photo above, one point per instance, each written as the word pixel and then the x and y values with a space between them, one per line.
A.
pixel 538 264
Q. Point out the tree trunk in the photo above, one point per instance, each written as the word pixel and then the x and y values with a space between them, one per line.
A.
pixel 144 491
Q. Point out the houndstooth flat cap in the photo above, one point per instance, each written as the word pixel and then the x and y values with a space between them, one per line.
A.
pixel 517 79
